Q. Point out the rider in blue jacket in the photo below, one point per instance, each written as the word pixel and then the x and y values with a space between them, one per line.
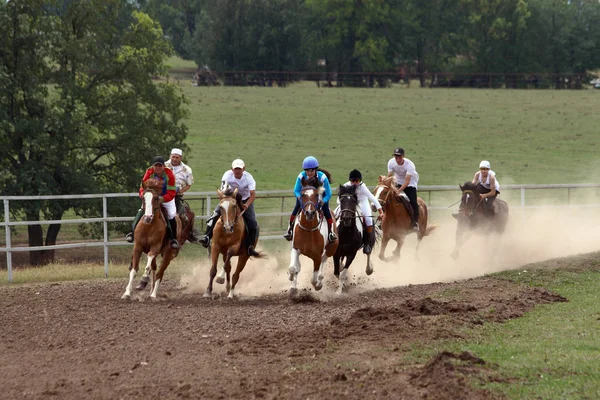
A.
pixel 311 168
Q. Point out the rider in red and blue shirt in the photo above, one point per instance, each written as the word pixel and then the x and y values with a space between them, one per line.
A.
pixel 311 168
pixel 167 196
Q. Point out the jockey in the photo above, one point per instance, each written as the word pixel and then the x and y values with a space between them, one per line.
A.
pixel 237 177
pixel 488 186
pixel 407 179
pixel 165 175
pixel 311 168
pixel 183 181
pixel 365 197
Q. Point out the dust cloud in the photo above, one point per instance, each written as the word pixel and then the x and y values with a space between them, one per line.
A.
pixel 532 235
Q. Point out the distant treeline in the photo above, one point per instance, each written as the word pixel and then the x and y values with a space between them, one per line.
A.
pixel 459 36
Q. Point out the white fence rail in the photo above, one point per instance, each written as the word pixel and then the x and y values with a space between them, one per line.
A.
pixel 206 197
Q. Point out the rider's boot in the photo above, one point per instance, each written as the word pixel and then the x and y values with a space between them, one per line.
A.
pixel 210 225
pixel 369 239
pixel 290 232
pixel 251 251
pixel 138 216
pixel 332 236
pixel 173 233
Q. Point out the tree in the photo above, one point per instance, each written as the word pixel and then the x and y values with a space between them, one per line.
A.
pixel 79 112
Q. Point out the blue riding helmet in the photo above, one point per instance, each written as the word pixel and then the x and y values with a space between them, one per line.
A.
pixel 310 162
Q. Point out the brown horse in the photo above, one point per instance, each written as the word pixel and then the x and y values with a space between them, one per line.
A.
pixel 396 222
pixel 152 238
pixel 310 237
pixel 471 215
pixel 229 239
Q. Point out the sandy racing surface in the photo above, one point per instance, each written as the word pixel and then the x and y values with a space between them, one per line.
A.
pixel 79 340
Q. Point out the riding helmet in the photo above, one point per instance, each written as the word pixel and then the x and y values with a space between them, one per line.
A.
pixel 355 174
pixel 484 164
pixel 158 160
pixel 310 162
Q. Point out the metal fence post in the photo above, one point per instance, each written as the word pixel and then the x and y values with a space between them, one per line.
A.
pixel 105 225
pixel 8 245
pixel 208 207
pixel 522 197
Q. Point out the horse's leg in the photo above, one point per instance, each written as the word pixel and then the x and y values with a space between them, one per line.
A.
pixel 294 270
pixel 135 263
pixel 399 243
pixel 384 242
pixel 227 269
pixel 242 260
pixel 344 273
pixel 168 255
pixel 221 274
pixel 213 272
pixel 319 271
pixel 336 265
pixel 369 268
pixel 461 237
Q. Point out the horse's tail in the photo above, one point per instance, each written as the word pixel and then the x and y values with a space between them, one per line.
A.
pixel 378 232
pixel 430 228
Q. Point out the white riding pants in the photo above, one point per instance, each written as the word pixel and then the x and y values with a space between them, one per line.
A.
pixel 365 209
pixel 171 209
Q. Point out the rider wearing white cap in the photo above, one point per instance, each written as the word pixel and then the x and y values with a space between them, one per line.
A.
pixel 237 177
pixel 489 187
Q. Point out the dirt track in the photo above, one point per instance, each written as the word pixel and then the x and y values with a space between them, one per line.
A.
pixel 79 340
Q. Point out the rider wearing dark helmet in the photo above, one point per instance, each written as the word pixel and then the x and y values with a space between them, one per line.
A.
pixel 311 169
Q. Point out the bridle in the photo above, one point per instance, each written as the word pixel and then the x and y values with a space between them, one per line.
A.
pixel 386 200
pixel 237 209
pixel 347 210
pixel 303 206
pixel 468 193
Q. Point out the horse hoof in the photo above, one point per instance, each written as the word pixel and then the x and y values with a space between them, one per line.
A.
pixel 290 276
pixel 154 299
pixel 318 286
pixel 339 291
pixel 293 292
pixel 220 280
pixel 207 295
pixel 126 297
pixel 141 286
pixel 369 271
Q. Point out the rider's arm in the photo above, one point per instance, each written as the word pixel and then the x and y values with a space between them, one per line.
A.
pixel 298 186
pixel 250 200
pixel 171 188
pixel 475 178
pixel 405 183
pixel 189 181
pixel 371 198
pixel 327 192
pixel 184 189
pixel 492 187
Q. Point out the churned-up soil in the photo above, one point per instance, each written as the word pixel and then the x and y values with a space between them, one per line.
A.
pixel 79 340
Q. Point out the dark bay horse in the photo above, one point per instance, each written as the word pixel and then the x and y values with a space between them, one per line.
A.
pixel 471 215
pixel 351 228
pixel 152 238
pixel 310 237
pixel 396 222
pixel 229 240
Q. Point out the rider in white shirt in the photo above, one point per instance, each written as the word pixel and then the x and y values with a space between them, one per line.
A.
pixel 238 178
pixel 489 187
pixel 407 179
pixel 365 197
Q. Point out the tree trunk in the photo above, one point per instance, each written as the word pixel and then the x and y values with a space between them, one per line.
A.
pixel 36 238
pixel 48 255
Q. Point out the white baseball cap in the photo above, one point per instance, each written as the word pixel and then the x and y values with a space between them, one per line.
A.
pixel 237 163
pixel 484 164
pixel 177 151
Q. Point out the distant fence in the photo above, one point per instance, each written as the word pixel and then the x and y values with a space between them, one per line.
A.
pixel 491 80
pixel 277 208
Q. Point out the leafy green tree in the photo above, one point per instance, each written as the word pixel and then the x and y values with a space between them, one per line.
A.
pixel 79 112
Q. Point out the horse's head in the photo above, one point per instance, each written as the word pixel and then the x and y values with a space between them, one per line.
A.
pixel 150 196
pixel 309 197
pixel 348 201
pixel 383 192
pixel 469 200
pixel 230 205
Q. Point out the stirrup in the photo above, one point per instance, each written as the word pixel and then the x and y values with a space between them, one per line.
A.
pixel 332 237
pixel 288 235
pixel 174 244
pixel 129 237
pixel 367 249
pixel 204 240
pixel 252 252
pixel 415 227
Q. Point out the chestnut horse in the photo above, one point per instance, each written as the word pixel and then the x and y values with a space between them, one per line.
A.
pixel 471 215
pixel 229 239
pixel 152 238
pixel 351 230
pixel 396 222
pixel 310 236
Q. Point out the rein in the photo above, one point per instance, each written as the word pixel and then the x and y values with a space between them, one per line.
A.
pixel 303 206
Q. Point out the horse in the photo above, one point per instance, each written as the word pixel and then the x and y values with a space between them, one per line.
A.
pixel 396 223
pixel 229 240
pixel 351 230
pixel 151 237
pixel 471 215
pixel 310 236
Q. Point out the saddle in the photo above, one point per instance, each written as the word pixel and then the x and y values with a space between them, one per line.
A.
pixel 402 198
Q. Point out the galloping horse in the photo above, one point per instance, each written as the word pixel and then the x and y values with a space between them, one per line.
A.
pixel 396 222
pixel 152 238
pixel 310 236
pixel 471 215
pixel 351 230
pixel 229 239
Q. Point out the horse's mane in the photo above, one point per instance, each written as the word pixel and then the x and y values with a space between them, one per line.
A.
pixel 227 191
pixel 386 180
pixel 343 189
pixel 153 184
pixel 469 186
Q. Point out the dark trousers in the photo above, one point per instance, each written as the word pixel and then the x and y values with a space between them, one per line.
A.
pixel 179 205
pixel 411 192
pixel 325 208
